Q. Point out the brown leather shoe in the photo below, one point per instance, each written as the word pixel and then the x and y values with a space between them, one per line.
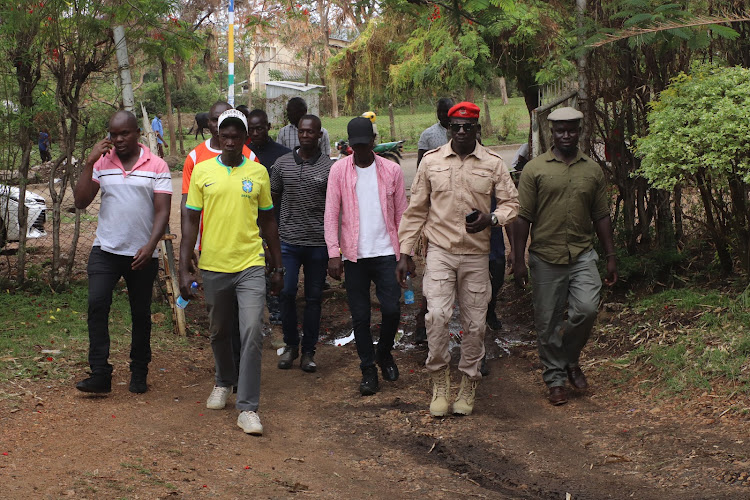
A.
pixel 558 395
pixel 576 377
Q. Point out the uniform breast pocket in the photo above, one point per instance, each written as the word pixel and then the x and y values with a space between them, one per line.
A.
pixel 584 187
pixel 481 181
pixel 440 178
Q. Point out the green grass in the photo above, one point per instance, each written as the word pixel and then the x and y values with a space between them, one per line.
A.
pixel 32 323
pixel 698 340
pixel 410 125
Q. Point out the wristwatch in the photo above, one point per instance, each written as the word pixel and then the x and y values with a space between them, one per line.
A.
pixel 279 270
pixel 494 220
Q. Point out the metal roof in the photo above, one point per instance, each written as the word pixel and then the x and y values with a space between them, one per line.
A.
pixel 301 87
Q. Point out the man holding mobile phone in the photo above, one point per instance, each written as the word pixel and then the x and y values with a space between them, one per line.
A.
pixel 450 199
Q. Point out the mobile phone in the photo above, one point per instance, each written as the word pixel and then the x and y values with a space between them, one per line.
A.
pixel 109 137
pixel 472 216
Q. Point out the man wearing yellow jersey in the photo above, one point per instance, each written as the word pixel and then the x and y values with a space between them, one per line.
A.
pixel 233 193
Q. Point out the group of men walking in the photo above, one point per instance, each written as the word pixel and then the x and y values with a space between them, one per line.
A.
pixel 255 212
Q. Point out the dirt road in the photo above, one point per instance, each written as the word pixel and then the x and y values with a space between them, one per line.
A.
pixel 322 440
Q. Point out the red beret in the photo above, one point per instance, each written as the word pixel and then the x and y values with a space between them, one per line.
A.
pixel 464 110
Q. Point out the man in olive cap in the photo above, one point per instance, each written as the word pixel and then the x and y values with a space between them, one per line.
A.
pixel 450 199
pixel 563 200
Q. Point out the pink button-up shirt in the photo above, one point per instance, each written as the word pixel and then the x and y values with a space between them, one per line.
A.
pixel 341 200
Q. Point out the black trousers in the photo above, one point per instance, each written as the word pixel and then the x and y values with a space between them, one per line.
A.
pixel 105 270
pixel 359 275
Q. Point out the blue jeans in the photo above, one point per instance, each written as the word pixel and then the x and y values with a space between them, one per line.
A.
pixel 314 260
pixel 359 275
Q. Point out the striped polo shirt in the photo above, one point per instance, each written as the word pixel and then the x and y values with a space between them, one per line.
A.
pixel 126 214
pixel 302 186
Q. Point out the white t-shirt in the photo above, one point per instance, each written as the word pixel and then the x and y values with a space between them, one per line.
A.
pixel 373 235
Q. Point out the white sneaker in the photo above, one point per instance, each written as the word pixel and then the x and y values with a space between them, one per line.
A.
pixel 218 398
pixel 249 421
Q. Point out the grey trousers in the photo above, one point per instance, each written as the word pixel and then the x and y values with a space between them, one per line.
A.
pixel 233 298
pixel 560 340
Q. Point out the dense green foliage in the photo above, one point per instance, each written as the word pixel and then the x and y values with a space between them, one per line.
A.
pixel 699 124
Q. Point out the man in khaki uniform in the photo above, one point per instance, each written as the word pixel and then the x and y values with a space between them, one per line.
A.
pixel 450 199
pixel 563 197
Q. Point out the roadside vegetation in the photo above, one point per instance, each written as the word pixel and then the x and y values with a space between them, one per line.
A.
pixel 43 335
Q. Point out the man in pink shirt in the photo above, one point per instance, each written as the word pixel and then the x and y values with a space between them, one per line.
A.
pixel 136 192
pixel 366 193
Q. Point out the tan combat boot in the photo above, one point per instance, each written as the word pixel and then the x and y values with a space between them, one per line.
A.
pixel 441 387
pixel 464 404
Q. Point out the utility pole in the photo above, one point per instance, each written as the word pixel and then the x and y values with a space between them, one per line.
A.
pixel 121 48
pixel 230 55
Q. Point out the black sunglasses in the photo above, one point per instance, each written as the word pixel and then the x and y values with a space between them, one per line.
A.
pixel 468 127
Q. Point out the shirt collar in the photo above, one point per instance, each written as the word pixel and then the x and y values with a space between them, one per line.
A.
pixel 300 161
pixel 550 156
pixel 477 153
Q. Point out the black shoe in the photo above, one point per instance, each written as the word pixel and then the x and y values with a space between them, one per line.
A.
pixel 369 385
pixel 420 335
pixel 97 383
pixel 307 363
pixel 483 368
pixel 388 367
pixel 493 322
pixel 287 357
pixel 138 383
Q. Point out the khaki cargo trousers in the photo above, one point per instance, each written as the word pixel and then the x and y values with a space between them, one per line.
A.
pixel 447 275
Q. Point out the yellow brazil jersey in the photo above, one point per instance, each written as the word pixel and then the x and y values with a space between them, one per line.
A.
pixel 230 198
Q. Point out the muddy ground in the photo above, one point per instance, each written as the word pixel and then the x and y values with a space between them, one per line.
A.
pixel 323 440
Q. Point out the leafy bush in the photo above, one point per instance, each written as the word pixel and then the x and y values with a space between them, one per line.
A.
pixel 699 136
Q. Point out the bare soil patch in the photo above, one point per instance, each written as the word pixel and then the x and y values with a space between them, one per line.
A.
pixel 323 440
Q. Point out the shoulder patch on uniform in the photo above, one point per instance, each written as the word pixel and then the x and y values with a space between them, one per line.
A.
pixel 493 153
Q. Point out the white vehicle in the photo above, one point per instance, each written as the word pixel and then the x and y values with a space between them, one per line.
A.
pixel 37 207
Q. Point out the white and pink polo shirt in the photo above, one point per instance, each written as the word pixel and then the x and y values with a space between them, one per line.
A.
pixel 126 215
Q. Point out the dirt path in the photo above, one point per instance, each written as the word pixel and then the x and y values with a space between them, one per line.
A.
pixel 322 440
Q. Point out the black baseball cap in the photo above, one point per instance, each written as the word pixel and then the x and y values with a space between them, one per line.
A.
pixel 360 131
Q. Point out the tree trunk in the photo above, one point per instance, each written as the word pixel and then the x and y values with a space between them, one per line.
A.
pixel 334 97
pixel 28 72
pixel 664 227
pixel 583 83
pixel 504 91
pixel 679 231
pixel 487 126
pixel 717 235
pixel 168 99
pixel 179 132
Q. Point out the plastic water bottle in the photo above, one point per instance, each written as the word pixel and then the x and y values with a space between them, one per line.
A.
pixel 409 293
pixel 182 303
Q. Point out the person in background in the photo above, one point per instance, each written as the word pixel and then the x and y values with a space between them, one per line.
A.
pixel 158 129
pixel 258 140
pixel 438 134
pixel 136 193
pixel 364 203
pixel 298 183
pixel 450 200
pixel 267 151
pixel 563 197
pixel 44 145
pixel 296 108
pixel 227 189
